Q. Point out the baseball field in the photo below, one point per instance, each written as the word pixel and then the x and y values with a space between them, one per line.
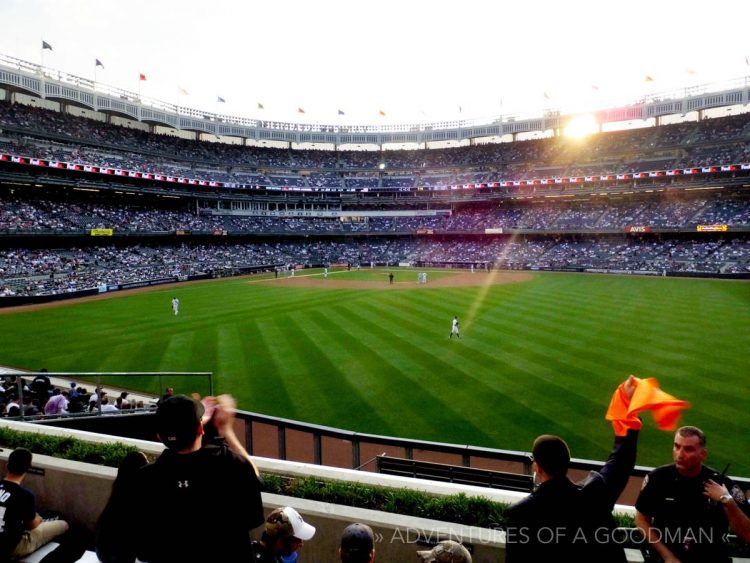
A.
pixel 538 353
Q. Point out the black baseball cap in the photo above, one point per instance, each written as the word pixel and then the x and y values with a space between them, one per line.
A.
pixel 177 421
pixel 357 539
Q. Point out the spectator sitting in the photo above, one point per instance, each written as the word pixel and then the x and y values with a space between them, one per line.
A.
pixel 23 530
pixel 78 403
pixel 74 392
pixel 124 400
pixel 357 544
pixel 13 408
pixel 96 397
pixel 29 408
pixel 284 534
pixel 111 522
pixel 58 403
pixel 446 551
pixel 107 406
pixel 167 394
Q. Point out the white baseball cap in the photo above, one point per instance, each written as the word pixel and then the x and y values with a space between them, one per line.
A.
pixel 286 522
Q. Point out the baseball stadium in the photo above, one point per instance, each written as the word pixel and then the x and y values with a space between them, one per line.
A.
pixel 317 282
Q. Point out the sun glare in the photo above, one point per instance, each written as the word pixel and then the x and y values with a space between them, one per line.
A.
pixel 581 126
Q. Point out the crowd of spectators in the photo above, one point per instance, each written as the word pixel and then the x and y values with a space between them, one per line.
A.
pixel 48 134
pixel 49 271
pixel 18 214
pixel 53 135
pixel 40 397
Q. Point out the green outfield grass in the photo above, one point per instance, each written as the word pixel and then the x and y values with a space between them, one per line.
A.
pixel 534 357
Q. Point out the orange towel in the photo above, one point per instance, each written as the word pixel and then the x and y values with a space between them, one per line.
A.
pixel 665 408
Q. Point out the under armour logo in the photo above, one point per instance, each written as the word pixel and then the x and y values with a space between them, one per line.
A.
pixel 183 484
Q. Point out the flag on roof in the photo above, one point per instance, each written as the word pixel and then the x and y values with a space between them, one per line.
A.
pixel 547 96
pixel 220 99
pixel 381 113
pixel 260 106
pixel 649 78
pixel 300 110
pixel 46 45
pixel 183 92
pixel 341 112
pixel 99 63
pixel 141 76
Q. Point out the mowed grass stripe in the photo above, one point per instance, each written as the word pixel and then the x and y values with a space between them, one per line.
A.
pixel 272 389
pixel 434 388
pixel 454 366
pixel 231 361
pixel 280 358
pixel 337 372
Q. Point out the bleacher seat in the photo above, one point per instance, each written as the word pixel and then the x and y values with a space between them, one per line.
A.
pixel 454 474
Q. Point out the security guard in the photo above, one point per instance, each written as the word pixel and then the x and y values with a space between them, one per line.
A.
pixel 678 521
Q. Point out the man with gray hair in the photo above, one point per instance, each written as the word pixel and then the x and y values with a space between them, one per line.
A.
pixel 678 521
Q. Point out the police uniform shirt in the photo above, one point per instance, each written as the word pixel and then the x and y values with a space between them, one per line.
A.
pixel 687 522
pixel 17 508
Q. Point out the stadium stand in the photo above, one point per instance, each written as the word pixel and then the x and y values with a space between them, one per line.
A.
pixel 660 200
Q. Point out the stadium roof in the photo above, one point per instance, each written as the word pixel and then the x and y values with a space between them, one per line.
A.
pixel 384 62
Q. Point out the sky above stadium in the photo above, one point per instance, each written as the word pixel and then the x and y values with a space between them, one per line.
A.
pixel 383 62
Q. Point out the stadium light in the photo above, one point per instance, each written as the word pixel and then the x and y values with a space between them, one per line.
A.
pixel 581 126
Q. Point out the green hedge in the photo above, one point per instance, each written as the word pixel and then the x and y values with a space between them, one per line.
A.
pixel 109 454
pixel 459 508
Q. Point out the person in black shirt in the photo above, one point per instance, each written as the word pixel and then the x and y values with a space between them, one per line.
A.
pixel 566 521
pixel 109 548
pixel 22 530
pixel 678 521
pixel 204 495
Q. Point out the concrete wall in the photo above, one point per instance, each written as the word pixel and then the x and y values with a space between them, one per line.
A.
pixel 79 491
